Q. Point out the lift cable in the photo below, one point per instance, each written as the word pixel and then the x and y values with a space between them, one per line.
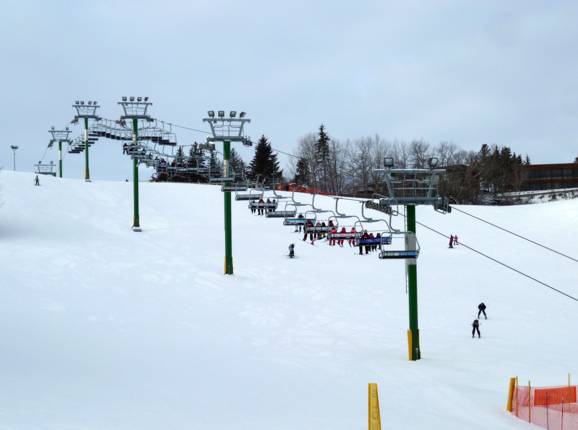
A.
pixel 502 263
pixel 184 127
pixel 516 234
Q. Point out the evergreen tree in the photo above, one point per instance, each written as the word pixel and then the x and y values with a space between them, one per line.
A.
pixel 237 165
pixel 265 162
pixel 215 166
pixel 180 157
pixel 322 154
pixel 196 160
pixel 302 173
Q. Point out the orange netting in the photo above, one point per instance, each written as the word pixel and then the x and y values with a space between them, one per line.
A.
pixel 547 407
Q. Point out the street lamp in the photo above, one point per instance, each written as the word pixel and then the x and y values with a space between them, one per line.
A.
pixel 227 130
pixel 135 110
pixel 85 111
pixel 14 148
pixel 59 136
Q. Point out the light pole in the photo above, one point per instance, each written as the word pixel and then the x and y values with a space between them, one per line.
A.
pixel 85 111
pixel 59 136
pixel 135 108
pixel 14 148
pixel 227 130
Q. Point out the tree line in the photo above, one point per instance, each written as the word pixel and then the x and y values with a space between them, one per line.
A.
pixel 200 165
pixel 348 167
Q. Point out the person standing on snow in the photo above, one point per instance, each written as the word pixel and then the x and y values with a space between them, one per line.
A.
pixel 36 181
pixel 482 310
pixel 292 250
pixel 451 241
pixel 476 328
pixel 455 239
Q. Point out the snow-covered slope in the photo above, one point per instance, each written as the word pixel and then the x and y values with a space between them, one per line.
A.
pixel 103 328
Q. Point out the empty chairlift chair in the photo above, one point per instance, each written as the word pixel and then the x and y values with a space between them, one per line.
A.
pixel 249 196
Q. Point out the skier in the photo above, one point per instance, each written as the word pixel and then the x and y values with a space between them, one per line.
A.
pixel 352 238
pixel 299 228
pixel 267 207
pixel 369 248
pixel 36 181
pixel 482 310
pixel 317 231
pixel 343 232
pixel 261 206
pixel 308 225
pixel 455 239
pixel 476 328
pixel 377 236
pixel 333 232
pixel 451 241
pixel 292 250
pixel 363 236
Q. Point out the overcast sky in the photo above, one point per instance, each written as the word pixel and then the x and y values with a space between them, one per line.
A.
pixel 471 72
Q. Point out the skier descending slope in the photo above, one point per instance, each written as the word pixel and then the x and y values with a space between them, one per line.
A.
pixel 476 328
pixel 482 310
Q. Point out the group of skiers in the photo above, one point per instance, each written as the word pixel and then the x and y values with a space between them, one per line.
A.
pixel 316 231
pixel 368 248
pixel 263 207
pixel 341 240
pixel 476 323
pixel 453 240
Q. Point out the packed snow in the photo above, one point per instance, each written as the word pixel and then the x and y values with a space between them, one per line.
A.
pixel 104 328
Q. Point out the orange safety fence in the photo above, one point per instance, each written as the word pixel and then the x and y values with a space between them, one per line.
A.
pixel 300 189
pixel 547 407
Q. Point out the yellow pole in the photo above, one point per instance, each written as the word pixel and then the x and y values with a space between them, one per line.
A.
pixel 373 415
pixel 511 389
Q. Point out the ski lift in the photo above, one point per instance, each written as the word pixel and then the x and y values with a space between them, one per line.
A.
pixel 296 221
pixel 233 187
pixel 339 215
pixel 270 206
pixel 285 213
pixel 277 196
pixel 249 196
pixel 317 228
pixel 402 253
pixel 45 169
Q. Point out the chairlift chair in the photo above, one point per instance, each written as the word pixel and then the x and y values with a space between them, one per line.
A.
pixel 285 213
pixel 249 196
pixel 400 253
pixel 271 205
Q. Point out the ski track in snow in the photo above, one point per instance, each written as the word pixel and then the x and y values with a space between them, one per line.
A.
pixel 104 328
